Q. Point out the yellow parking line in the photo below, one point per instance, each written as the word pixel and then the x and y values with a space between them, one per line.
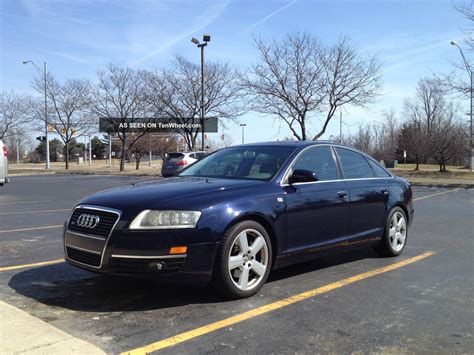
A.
pixel 270 307
pixel 32 228
pixel 40 211
pixel 24 266
pixel 439 193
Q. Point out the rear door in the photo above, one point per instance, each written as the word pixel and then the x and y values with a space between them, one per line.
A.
pixel 369 195
pixel 317 212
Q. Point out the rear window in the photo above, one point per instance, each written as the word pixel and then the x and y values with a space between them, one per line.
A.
pixel 174 156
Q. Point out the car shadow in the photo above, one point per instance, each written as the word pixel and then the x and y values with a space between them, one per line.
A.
pixel 322 263
pixel 67 287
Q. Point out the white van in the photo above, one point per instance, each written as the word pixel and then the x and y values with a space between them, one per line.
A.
pixel 3 164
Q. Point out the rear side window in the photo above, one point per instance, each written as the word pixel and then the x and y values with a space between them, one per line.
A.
pixel 354 165
pixel 378 170
pixel 319 160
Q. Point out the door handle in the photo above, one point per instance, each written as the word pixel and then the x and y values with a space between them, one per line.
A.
pixel 342 194
pixel 384 190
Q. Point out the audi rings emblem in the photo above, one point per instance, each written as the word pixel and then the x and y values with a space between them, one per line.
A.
pixel 88 221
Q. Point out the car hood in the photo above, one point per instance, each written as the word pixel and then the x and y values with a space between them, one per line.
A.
pixel 175 192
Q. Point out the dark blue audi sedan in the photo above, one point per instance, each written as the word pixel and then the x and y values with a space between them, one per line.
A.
pixel 240 212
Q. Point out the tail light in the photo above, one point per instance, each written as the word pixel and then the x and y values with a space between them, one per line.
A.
pixel 4 151
pixel 181 162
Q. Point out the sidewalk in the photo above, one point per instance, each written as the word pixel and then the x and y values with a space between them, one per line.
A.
pixel 22 333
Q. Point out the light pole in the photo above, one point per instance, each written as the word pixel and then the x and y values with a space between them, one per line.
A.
pixel 149 147
pixel 468 68
pixel 340 126
pixel 205 39
pixel 243 132
pixel 110 149
pixel 90 150
pixel 45 74
pixel 17 148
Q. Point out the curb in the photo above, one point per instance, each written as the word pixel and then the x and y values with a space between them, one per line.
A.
pixel 23 333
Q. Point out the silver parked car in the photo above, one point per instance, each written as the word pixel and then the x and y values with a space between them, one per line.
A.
pixel 3 164
pixel 175 162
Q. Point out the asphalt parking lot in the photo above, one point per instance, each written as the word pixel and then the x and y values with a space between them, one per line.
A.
pixel 357 302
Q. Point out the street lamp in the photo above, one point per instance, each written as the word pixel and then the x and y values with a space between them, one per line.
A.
pixel 45 74
pixel 243 132
pixel 205 39
pixel 468 68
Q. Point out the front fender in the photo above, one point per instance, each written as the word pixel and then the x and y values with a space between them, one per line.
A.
pixel 268 209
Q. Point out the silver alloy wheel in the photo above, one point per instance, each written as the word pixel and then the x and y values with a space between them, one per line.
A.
pixel 397 231
pixel 248 259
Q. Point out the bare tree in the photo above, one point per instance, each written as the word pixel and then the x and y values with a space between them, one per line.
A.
pixel 14 112
pixel 297 78
pixel 409 140
pixel 387 135
pixel 363 139
pixel 457 81
pixel 423 109
pixel 159 144
pixel 445 139
pixel 288 81
pixel 68 114
pixel 176 95
pixel 119 98
pixel 434 118
pixel 350 79
pixel 466 8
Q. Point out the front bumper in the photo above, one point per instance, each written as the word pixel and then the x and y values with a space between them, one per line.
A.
pixel 141 255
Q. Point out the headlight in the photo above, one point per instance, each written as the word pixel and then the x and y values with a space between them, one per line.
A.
pixel 151 219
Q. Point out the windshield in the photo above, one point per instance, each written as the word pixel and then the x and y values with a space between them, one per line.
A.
pixel 246 162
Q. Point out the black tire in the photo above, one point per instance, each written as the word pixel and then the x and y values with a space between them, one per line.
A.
pixel 385 246
pixel 222 280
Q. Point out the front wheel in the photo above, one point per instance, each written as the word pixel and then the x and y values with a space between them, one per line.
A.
pixel 243 260
pixel 395 234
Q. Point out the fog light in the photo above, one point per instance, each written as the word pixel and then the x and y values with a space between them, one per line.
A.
pixel 157 266
pixel 178 250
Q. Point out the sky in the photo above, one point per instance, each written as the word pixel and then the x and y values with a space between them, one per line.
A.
pixel 78 37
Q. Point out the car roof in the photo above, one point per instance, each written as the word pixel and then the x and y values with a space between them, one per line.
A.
pixel 293 144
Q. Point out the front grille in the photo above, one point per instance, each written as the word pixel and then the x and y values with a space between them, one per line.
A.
pixel 83 257
pixel 106 223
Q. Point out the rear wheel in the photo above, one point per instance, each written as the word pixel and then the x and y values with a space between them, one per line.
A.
pixel 243 260
pixel 395 234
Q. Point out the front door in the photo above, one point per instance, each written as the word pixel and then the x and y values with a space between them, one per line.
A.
pixel 317 212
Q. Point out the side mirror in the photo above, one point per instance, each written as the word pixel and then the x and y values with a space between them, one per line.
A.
pixel 301 175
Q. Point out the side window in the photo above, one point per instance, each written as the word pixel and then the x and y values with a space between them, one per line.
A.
pixel 378 170
pixel 192 156
pixel 354 165
pixel 319 160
